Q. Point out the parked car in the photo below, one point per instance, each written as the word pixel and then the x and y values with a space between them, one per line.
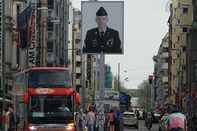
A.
pixel 130 119
pixel 156 117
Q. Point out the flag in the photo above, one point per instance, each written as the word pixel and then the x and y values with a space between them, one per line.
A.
pixel 22 26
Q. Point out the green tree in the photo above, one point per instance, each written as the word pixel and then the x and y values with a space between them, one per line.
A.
pixel 145 95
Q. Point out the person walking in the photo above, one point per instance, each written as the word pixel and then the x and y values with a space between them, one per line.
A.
pixel 6 118
pixel 110 118
pixel 117 116
pixel 90 118
pixel 11 119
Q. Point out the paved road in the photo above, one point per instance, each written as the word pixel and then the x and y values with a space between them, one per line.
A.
pixel 142 127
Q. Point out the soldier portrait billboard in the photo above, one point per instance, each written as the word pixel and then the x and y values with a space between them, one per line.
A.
pixel 102 27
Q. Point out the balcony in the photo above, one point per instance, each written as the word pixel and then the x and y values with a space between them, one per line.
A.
pixel 164 79
pixel 78 46
pixel 78 36
pixel 164 66
pixel 165 55
pixel 50 58
pixel 78 58
pixel 78 81
pixel 78 70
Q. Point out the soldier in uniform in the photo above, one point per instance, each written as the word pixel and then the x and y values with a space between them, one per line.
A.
pixel 102 39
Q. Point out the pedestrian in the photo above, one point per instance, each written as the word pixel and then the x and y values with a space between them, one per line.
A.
pixel 90 119
pixel 80 120
pixel 177 120
pixel 96 121
pixel 11 119
pixel 6 118
pixel 117 115
pixel 110 118
pixel 137 113
pixel 143 114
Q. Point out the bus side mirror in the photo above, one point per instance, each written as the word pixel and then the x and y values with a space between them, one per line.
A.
pixel 77 98
pixel 26 98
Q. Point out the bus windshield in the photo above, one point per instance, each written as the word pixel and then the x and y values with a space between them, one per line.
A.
pixel 50 109
pixel 49 78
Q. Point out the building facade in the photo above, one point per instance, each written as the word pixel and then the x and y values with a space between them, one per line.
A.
pixel 50 43
pixel 180 22
pixel 161 73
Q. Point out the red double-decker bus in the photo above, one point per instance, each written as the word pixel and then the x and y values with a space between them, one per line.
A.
pixel 44 99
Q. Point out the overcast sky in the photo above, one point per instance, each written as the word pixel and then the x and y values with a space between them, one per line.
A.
pixel 144 27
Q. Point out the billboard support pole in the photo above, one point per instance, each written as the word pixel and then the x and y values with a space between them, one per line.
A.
pixel 101 95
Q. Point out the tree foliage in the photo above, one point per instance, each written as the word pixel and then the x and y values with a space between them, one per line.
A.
pixel 145 94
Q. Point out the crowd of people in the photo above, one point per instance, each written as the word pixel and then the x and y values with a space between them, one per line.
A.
pixel 8 120
pixel 90 121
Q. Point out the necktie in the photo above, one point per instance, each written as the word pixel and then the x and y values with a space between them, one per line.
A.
pixel 102 34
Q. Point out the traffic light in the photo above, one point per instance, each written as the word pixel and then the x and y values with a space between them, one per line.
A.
pixel 150 78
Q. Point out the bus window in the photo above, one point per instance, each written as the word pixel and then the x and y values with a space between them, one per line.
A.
pixel 49 78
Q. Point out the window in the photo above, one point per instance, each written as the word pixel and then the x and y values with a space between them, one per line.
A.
pixel 50 4
pixel 184 29
pixel 174 77
pixel 49 78
pixel 18 8
pixel 78 52
pixel 50 26
pixel 174 61
pixel 178 38
pixel 50 108
pixel 178 21
pixel 185 10
pixel 50 46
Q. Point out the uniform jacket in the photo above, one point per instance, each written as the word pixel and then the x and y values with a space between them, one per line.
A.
pixel 109 43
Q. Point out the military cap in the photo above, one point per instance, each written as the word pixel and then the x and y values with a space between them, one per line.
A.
pixel 101 12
